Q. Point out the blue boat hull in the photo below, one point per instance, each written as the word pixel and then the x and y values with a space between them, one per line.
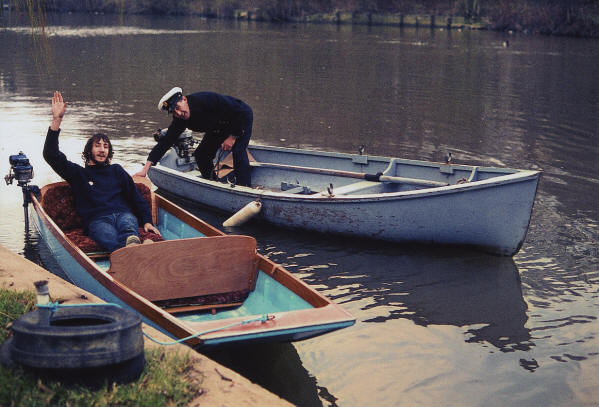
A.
pixel 297 312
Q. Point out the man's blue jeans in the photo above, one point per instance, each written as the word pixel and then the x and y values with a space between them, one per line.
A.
pixel 111 231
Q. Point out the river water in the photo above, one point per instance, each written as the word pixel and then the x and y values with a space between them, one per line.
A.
pixel 434 326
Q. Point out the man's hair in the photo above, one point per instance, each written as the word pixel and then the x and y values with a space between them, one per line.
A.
pixel 87 151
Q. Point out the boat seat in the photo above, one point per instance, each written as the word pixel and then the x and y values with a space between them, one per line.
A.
pixel 190 274
pixel 351 188
pixel 58 202
pixel 392 167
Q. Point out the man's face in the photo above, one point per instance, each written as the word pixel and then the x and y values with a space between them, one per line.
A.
pixel 181 110
pixel 100 150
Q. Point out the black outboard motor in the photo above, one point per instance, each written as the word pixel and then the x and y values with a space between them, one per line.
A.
pixel 184 144
pixel 22 171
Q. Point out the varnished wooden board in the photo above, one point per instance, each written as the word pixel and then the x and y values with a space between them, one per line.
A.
pixel 187 267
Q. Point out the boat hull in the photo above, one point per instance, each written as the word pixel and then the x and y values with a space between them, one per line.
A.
pixel 295 311
pixel 492 214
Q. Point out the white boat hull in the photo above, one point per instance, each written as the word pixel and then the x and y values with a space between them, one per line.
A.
pixel 492 214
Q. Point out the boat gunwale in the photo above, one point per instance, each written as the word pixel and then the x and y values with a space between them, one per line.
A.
pixel 381 158
pixel 246 329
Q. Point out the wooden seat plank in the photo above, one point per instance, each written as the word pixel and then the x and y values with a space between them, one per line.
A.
pixel 351 188
pixel 195 308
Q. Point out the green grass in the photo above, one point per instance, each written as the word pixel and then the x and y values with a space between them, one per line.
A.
pixel 160 384
pixel 12 305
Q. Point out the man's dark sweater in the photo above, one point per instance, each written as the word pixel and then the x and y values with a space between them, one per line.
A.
pixel 209 112
pixel 97 190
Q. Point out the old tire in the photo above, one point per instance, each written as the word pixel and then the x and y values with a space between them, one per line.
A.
pixel 84 344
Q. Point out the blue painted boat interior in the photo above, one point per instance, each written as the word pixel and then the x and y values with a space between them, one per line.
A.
pixel 173 228
pixel 269 295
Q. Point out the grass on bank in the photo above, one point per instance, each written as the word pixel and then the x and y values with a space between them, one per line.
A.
pixel 160 384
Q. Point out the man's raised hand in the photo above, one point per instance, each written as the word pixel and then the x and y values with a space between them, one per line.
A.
pixel 59 107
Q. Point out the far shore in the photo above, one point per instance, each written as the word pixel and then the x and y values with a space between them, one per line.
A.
pixel 560 17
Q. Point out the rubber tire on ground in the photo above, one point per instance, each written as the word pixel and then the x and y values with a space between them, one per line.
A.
pixel 87 344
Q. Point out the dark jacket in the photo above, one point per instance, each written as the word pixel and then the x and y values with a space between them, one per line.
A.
pixel 97 190
pixel 209 112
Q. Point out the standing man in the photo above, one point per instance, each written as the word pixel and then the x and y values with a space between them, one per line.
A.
pixel 225 120
pixel 106 198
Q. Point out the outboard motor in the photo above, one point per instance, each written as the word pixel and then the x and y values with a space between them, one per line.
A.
pixel 22 171
pixel 184 144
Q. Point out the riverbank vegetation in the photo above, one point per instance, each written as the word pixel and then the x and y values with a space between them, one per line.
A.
pixel 561 17
pixel 160 383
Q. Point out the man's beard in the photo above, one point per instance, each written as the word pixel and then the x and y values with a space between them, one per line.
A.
pixel 100 163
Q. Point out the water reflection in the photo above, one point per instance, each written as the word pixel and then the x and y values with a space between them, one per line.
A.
pixel 31 247
pixel 481 293
pixel 278 368
pixel 106 31
pixel 428 286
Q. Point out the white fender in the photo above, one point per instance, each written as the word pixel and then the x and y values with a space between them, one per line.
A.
pixel 244 214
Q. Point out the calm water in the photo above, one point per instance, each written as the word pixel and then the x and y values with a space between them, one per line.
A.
pixel 434 326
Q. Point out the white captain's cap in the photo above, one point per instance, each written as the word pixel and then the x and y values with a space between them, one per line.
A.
pixel 170 99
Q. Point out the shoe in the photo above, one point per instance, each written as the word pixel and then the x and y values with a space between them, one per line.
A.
pixel 132 240
pixel 148 241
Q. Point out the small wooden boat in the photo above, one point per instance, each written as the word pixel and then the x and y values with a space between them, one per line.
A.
pixel 195 279
pixel 369 196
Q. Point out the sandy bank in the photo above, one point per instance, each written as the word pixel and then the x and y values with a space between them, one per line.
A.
pixel 221 386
